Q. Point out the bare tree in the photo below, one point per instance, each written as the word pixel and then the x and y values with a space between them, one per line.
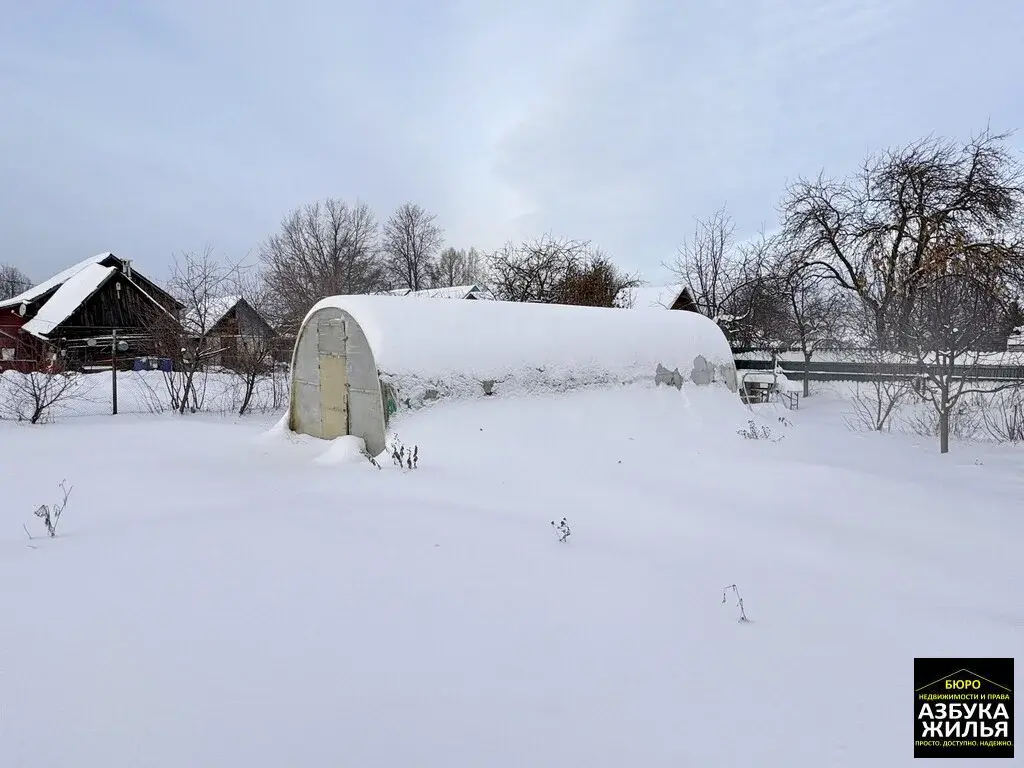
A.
pixel 952 312
pixel 886 231
pixel 323 249
pixel 726 278
pixel 12 281
pixel 879 398
pixel 597 282
pixel 815 313
pixel 34 395
pixel 757 315
pixel 252 356
pixel 707 263
pixel 457 267
pixel 536 270
pixel 200 283
pixel 1003 416
pixel 410 243
pixel 876 401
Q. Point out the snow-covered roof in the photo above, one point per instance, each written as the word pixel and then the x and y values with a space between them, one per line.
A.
pixel 656 296
pixel 471 341
pixel 202 319
pixel 454 292
pixel 72 293
pixel 38 291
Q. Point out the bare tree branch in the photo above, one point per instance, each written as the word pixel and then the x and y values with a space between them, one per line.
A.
pixel 411 240
pixel 256 345
pixel 816 313
pixel 458 267
pixel 951 314
pixel 323 249
pixel 200 283
pixel 597 282
pixel 550 270
pixel 12 281
pixel 32 396
pixel 535 270
pixel 876 401
pixel 730 281
pixel 909 212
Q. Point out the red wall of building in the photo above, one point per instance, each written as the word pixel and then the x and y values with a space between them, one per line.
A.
pixel 10 326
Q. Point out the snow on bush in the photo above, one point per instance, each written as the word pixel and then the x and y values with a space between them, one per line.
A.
pixel 403 457
pixel 755 431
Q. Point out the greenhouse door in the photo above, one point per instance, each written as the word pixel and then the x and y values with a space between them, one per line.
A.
pixel 331 343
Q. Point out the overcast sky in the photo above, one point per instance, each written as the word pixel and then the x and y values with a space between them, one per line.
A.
pixel 148 128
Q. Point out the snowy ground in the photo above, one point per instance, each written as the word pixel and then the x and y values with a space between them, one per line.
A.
pixel 220 596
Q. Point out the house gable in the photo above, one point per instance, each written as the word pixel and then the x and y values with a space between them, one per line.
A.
pixel 92 297
pixel 66 300
pixel 676 297
pixel 230 315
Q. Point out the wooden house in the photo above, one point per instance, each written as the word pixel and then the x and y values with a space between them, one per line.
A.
pixel 232 333
pixel 70 320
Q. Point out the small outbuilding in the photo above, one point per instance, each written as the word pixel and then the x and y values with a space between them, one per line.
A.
pixel 675 297
pixel 234 333
pixel 359 359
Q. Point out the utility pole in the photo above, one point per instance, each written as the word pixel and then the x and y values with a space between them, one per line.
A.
pixel 113 368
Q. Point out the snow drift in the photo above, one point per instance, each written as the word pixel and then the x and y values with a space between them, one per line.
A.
pixel 236 603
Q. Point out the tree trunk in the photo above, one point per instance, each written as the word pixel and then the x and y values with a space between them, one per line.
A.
pixel 250 386
pixel 882 333
pixel 188 388
pixel 900 336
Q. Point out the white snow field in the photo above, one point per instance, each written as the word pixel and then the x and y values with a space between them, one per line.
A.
pixel 223 595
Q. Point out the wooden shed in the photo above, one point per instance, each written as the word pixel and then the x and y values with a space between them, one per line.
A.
pixel 233 331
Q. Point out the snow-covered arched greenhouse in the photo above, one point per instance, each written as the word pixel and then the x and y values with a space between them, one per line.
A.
pixel 358 359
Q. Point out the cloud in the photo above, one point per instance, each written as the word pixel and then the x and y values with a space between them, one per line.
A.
pixel 148 127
